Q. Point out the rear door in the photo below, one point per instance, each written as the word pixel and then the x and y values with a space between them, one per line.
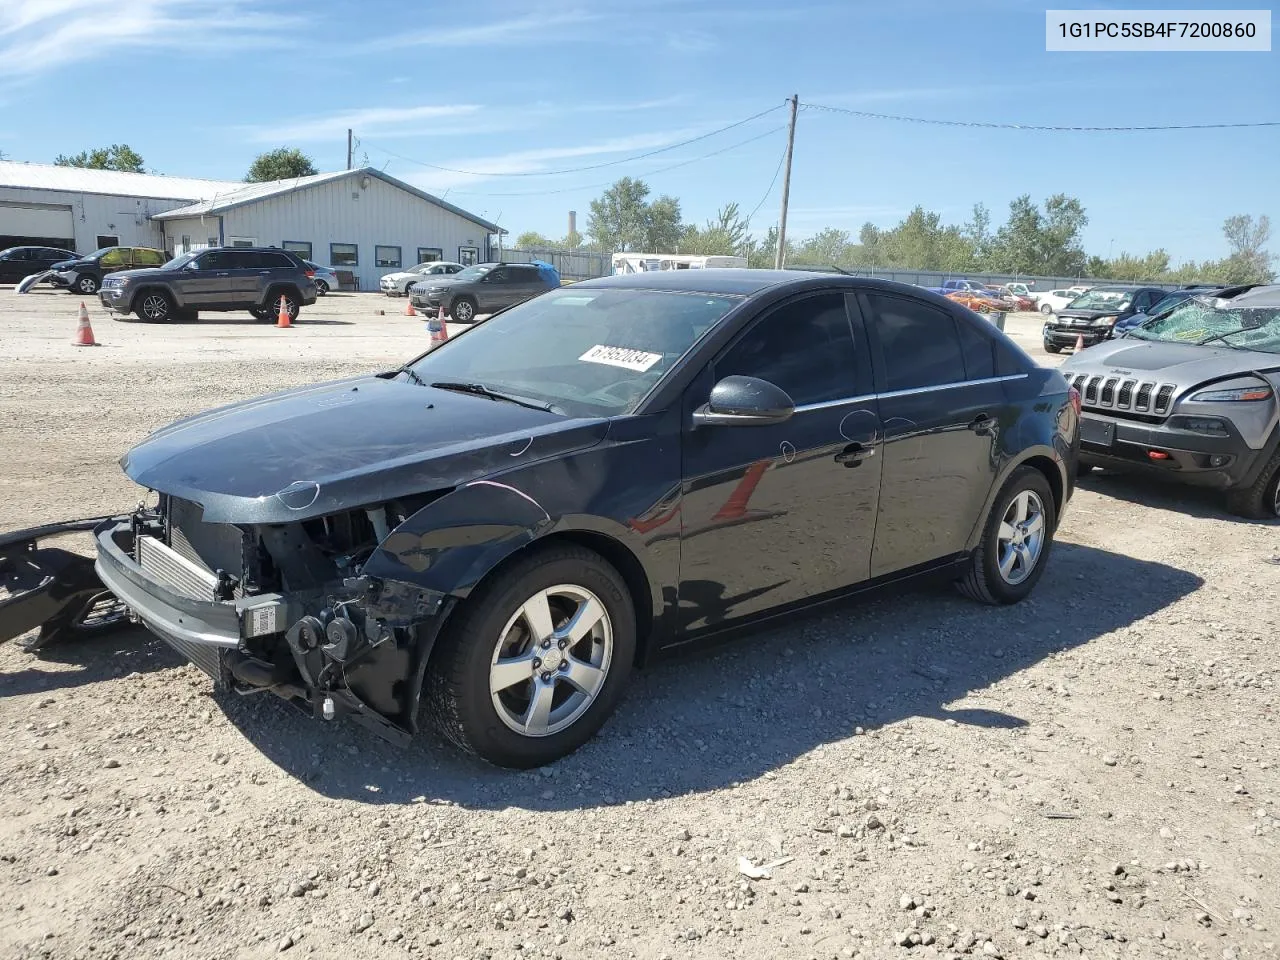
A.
pixel 942 408
pixel 494 291
pixel 528 283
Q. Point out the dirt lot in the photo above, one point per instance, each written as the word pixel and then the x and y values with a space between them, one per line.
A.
pixel 1095 772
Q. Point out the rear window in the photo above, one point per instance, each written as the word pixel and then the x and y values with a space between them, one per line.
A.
pixel 274 260
pixel 978 351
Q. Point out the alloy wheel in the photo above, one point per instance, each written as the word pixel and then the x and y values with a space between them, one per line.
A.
pixel 462 311
pixel 87 284
pixel 551 660
pixel 155 306
pixel 1021 537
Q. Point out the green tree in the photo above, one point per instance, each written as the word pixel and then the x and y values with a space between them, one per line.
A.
pixel 724 235
pixel 118 156
pixel 828 247
pixel 283 163
pixel 622 219
pixel 1249 260
pixel 1043 243
pixel 531 239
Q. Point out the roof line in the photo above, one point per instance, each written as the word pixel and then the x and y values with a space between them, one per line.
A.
pixel 96 193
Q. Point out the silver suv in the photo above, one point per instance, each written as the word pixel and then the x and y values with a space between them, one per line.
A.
pixel 1192 396
pixel 217 279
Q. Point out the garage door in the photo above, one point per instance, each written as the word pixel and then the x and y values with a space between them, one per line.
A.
pixel 36 221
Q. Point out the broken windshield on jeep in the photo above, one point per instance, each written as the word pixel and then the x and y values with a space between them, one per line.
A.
pixel 587 352
pixel 1205 320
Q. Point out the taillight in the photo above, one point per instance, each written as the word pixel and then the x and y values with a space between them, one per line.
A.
pixel 311 274
pixel 1074 395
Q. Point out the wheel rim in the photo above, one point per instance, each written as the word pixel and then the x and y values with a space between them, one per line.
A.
pixel 463 311
pixel 155 307
pixel 1275 496
pixel 551 660
pixel 1021 537
pixel 86 284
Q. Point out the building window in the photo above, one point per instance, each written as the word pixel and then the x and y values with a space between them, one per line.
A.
pixel 301 247
pixel 243 242
pixel 186 242
pixel 213 241
pixel 430 254
pixel 386 256
pixel 344 255
pixel 468 255
pixel 108 241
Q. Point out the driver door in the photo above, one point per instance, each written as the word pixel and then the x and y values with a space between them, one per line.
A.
pixel 206 279
pixel 781 513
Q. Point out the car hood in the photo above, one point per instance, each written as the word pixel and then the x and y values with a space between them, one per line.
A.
pixel 73 264
pixel 1077 312
pixel 326 448
pixel 1183 364
pixel 141 273
pixel 402 275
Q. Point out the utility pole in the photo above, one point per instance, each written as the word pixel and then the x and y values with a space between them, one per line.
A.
pixel 349 151
pixel 780 259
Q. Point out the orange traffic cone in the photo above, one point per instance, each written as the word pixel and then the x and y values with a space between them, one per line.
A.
pixel 1079 343
pixel 444 325
pixel 408 308
pixel 282 318
pixel 84 332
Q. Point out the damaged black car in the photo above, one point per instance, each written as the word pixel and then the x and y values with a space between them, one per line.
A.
pixel 492 536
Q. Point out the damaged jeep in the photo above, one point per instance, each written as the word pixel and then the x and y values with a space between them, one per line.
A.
pixel 494 534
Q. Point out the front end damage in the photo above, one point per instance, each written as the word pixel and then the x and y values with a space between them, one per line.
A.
pixel 285 608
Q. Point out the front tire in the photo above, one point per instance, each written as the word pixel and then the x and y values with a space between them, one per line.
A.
pixel 1052 348
pixel 464 310
pixel 536 659
pixel 1261 500
pixel 154 306
pixel 1015 541
pixel 1046 310
pixel 86 285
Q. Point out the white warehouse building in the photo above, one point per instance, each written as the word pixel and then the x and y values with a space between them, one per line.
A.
pixel 361 221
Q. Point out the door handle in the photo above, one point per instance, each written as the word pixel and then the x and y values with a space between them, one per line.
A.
pixel 264 273
pixel 222 274
pixel 982 424
pixel 854 454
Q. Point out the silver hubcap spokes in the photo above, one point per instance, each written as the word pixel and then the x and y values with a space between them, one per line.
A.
pixel 155 307
pixel 551 660
pixel 1275 498
pixel 86 285
pixel 1021 537
pixel 463 310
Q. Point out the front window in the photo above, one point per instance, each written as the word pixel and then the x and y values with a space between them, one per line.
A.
pixel 1206 320
pixel 584 352
pixel 1100 299
pixel 180 261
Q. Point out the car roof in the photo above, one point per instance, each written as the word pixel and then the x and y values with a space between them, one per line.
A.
pixel 724 280
pixel 1260 295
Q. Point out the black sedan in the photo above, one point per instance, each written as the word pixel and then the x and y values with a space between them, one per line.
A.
pixel 503 528
pixel 1094 315
pixel 18 263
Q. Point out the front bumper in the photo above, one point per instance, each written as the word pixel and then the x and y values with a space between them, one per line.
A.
pixel 1066 336
pixel 115 299
pixel 63 280
pixel 1197 459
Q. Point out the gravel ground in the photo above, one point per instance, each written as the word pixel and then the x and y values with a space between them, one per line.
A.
pixel 1091 773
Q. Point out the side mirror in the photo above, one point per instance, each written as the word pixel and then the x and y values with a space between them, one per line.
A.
pixel 744 402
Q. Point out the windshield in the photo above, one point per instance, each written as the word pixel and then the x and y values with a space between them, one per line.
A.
pixel 1167 303
pixel 98 253
pixel 1102 300
pixel 180 260
pixel 587 352
pixel 1208 320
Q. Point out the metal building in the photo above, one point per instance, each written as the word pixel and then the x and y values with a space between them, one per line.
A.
pixel 362 221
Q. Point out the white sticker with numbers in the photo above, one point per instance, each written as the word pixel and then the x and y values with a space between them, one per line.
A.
pixel 621 357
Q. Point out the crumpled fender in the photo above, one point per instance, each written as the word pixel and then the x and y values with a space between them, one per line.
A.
pixel 451 543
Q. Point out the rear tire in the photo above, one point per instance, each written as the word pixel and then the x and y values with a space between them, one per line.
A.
pixel 1046 310
pixel 271 308
pixel 1052 348
pixel 86 285
pixel 1000 572
pixel 465 695
pixel 1260 500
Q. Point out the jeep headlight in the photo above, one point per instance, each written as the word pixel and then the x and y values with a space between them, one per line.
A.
pixel 1249 390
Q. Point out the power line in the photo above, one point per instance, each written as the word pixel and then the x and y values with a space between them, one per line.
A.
pixel 1034 126
pixel 772 183
pixel 593 186
pixel 594 166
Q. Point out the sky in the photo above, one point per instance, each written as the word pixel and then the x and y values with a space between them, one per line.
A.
pixel 509 95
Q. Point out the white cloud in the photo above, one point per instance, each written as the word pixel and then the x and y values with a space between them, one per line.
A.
pixel 40 36
pixel 371 121
pixel 496 30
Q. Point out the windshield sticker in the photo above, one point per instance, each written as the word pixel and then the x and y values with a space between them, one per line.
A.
pixel 625 357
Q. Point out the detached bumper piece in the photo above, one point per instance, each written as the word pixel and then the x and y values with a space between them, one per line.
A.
pixel 53 589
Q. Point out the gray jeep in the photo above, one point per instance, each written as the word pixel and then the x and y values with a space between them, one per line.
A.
pixel 218 279
pixel 1191 396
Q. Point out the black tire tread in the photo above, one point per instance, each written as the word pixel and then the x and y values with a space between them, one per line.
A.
pixel 974 583
pixel 445 682
pixel 1251 502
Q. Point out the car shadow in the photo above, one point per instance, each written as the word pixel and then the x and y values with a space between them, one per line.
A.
pixel 117 653
pixel 1161 494
pixel 221 320
pixel 705 722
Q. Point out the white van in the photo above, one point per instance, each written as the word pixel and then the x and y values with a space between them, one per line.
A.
pixel 625 263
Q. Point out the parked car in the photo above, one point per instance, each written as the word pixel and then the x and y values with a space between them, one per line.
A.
pixel 1163 306
pixel 217 279
pixel 326 278
pixel 980 301
pixel 1191 396
pixel 18 263
pixel 1019 289
pixel 484 288
pixel 1093 314
pixel 1052 301
pixel 592 480
pixel 398 284
pixel 83 275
